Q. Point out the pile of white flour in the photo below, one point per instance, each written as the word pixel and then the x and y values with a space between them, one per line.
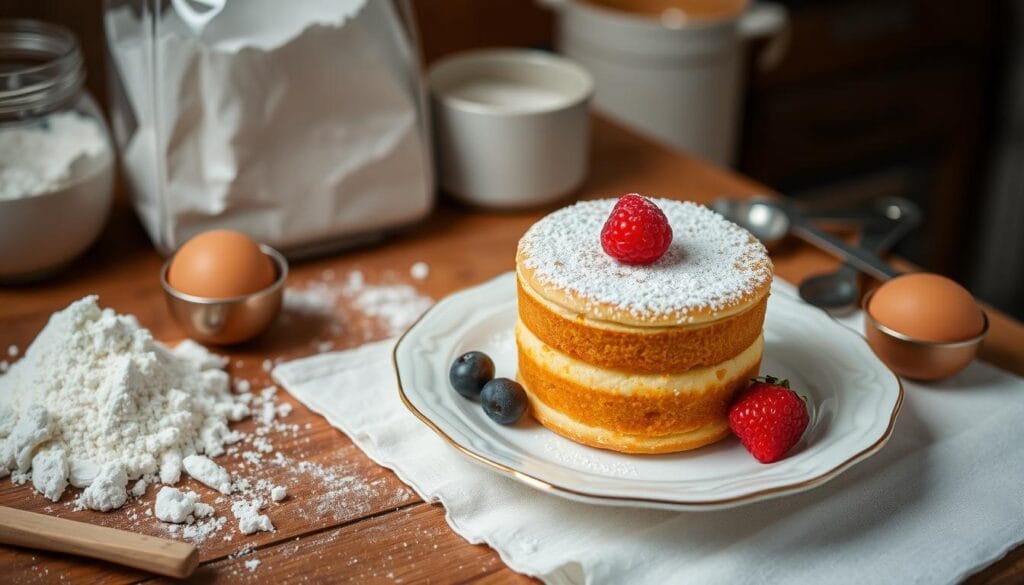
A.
pixel 96 402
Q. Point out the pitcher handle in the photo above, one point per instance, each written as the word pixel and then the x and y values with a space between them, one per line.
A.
pixel 767 20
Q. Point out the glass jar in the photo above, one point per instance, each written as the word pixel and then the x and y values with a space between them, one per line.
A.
pixel 56 157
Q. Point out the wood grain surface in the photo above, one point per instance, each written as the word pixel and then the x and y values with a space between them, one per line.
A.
pixel 351 520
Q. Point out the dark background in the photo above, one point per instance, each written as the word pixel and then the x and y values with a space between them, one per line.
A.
pixel 874 98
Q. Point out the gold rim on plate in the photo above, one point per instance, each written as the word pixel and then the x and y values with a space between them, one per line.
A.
pixel 552 487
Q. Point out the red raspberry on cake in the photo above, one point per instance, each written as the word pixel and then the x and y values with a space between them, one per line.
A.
pixel 637 231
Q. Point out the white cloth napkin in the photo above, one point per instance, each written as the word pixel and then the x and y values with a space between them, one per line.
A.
pixel 940 501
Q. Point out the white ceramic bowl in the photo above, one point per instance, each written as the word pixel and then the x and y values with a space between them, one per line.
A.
pixel 42 234
pixel 511 126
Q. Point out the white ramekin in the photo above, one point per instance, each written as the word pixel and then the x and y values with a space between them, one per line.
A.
pixel 518 154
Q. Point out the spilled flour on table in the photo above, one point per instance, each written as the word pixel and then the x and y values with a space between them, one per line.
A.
pixel 244 480
pixel 347 495
pixel 390 306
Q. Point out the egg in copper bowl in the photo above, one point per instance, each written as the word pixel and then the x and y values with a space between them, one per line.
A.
pixel 223 288
pixel 924 326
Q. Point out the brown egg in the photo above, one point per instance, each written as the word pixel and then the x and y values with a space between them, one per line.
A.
pixel 927 307
pixel 220 264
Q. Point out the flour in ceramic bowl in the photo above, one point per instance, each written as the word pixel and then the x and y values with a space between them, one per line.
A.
pixel 96 402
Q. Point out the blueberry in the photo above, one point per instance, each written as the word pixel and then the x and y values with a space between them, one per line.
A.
pixel 503 400
pixel 469 372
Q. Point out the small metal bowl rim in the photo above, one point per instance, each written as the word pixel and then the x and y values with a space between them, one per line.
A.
pixel 282 274
pixel 936 344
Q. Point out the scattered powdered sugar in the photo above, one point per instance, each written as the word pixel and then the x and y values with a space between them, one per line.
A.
pixel 316 298
pixel 345 494
pixel 397 306
pixel 502 341
pixel 571 454
pixel 339 494
pixel 241 552
pixel 252 565
pixel 419 270
pixel 199 530
pixel 712 262
pixel 394 306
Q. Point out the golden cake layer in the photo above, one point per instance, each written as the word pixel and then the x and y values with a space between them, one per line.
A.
pixel 639 359
pixel 644 350
pixel 633 413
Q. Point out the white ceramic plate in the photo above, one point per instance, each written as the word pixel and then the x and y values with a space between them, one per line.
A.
pixel 854 400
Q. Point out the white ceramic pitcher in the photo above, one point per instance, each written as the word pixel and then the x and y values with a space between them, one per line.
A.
pixel 675 75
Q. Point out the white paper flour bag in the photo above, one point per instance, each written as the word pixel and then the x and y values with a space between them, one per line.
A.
pixel 301 123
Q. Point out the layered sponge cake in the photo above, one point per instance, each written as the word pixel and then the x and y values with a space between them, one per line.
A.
pixel 639 359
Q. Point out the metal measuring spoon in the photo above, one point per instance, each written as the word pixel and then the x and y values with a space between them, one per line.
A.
pixel 770 220
pixel 839 291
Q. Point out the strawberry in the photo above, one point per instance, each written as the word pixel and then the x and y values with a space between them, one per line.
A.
pixel 768 418
pixel 636 232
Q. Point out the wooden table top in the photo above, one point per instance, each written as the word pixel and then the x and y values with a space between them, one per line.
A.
pixel 373 528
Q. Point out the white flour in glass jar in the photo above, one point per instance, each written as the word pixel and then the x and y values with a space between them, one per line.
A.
pixel 65 150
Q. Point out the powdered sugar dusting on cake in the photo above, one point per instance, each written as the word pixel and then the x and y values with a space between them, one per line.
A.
pixel 712 262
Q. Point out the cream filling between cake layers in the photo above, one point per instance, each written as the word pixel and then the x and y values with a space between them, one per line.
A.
pixel 695 381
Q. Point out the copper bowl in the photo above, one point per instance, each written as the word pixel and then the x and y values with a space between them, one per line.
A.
pixel 917 359
pixel 230 320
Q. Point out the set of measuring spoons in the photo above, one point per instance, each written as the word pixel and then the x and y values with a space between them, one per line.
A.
pixel 882 226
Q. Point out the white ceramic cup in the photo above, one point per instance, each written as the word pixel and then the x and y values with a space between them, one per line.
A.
pixel 510 126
